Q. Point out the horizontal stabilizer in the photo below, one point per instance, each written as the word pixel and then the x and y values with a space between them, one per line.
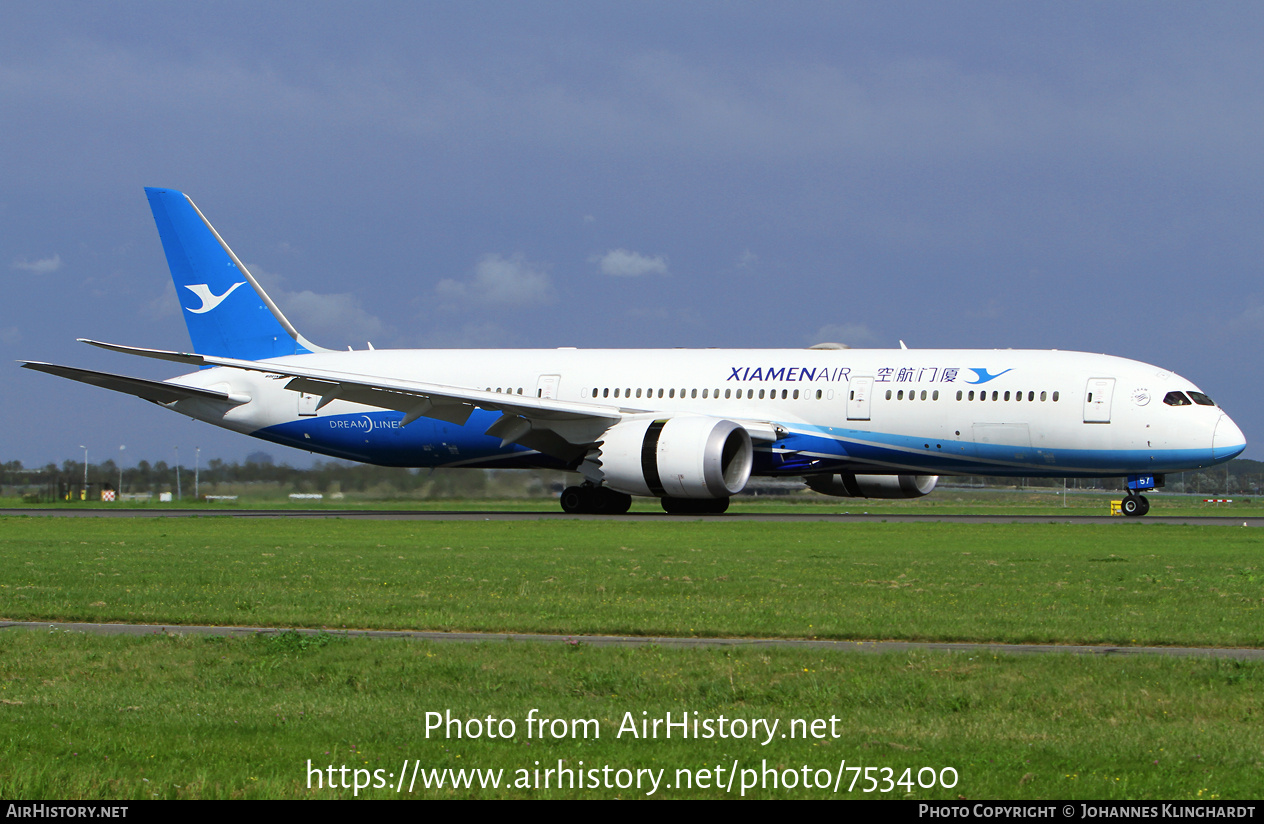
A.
pixel 159 392
pixel 387 393
pixel 158 354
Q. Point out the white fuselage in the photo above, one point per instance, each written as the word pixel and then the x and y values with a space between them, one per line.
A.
pixel 932 411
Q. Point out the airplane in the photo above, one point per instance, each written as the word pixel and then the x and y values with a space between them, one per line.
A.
pixel 689 427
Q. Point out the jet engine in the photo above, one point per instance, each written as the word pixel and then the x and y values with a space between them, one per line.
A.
pixel 851 485
pixel 688 456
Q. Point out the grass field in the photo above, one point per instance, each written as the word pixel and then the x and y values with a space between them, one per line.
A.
pixel 1044 583
pixel 95 717
pixel 109 717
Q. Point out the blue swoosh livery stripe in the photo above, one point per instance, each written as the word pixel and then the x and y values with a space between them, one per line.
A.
pixel 377 437
pixel 983 375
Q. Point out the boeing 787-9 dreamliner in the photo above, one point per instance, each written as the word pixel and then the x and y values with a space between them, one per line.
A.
pixel 689 427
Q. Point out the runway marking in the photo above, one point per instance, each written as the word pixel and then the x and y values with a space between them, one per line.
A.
pixel 1240 654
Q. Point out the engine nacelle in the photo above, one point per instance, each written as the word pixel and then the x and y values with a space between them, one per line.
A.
pixel 851 485
pixel 689 456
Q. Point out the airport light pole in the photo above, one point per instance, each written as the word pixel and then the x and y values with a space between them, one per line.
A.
pixel 178 495
pixel 119 495
pixel 197 465
pixel 85 468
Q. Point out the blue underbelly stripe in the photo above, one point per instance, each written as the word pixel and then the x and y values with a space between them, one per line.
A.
pixel 377 437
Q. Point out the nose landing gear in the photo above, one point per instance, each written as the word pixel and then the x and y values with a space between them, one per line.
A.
pixel 1136 504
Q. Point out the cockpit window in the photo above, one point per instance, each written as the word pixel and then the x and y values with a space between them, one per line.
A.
pixel 1176 399
pixel 1201 399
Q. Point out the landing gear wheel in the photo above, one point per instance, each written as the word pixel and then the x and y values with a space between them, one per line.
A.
pixel 616 503
pixel 717 507
pixel 594 500
pixel 695 506
pixel 1135 505
pixel 573 500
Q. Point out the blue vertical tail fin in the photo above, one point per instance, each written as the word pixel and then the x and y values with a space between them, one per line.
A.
pixel 228 314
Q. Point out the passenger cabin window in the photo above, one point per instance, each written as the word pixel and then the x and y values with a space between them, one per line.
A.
pixel 1176 399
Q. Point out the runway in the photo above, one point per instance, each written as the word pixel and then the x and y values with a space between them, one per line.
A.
pixel 1239 654
pixel 642 517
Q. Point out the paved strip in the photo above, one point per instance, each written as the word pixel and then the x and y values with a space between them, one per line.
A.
pixel 789 517
pixel 1239 654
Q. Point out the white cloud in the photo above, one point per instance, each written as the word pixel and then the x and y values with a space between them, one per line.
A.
pixel 42 266
pixel 625 264
pixel 165 305
pixel 326 319
pixel 849 334
pixel 331 320
pixel 1250 320
pixel 513 281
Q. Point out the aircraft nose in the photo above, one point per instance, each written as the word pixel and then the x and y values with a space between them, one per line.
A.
pixel 1227 441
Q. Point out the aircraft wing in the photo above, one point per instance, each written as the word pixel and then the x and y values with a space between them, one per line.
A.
pixel 575 422
pixel 414 398
pixel 160 392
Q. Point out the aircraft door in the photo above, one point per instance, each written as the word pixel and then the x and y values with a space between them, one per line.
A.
pixel 307 404
pixel 1097 398
pixel 859 393
pixel 546 387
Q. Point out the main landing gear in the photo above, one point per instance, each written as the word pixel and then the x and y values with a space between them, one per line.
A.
pixel 695 506
pixel 594 500
pixel 600 500
pixel 1135 505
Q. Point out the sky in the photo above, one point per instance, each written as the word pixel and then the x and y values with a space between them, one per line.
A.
pixel 1083 176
